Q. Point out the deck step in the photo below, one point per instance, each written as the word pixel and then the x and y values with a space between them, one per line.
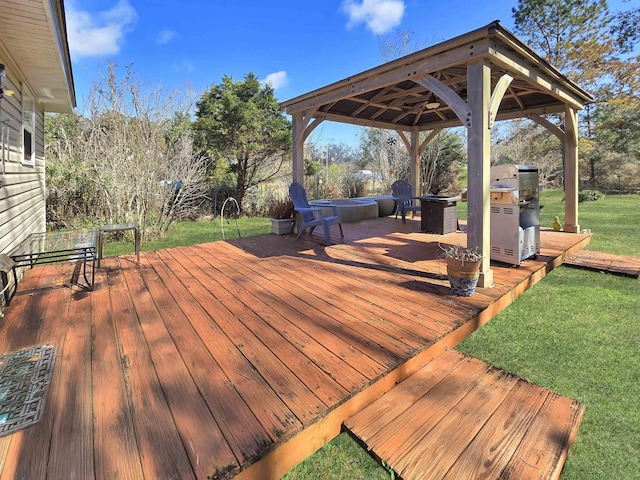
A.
pixel 459 417
pixel 605 262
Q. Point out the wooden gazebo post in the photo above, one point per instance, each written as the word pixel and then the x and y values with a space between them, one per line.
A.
pixel 297 129
pixel 479 165
pixel 571 185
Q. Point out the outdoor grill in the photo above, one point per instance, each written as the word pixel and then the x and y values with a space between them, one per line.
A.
pixel 515 213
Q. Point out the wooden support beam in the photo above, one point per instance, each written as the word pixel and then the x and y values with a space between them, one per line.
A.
pixel 452 99
pixel 479 153
pixel 414 153
pixel 427 140
pixel 297 129
pixel 302 126
pixel 557 131
pixel 405 140
pixel 497 95
pixel 571 186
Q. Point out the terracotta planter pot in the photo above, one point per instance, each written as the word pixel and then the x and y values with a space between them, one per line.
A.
pixel 463 276
pixel 463 266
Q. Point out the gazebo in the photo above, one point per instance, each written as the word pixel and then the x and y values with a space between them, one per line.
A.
pixel 471 81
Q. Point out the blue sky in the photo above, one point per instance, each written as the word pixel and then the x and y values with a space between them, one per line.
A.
pixel 298 45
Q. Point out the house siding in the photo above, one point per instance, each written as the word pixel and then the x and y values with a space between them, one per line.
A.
pixel 22 196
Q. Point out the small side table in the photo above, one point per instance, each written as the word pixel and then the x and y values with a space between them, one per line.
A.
pixel 438 214
pixel 120 227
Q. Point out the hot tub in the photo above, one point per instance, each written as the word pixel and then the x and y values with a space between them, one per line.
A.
pixel 350 210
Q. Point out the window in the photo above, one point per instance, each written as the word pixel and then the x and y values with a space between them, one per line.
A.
pixel 28 130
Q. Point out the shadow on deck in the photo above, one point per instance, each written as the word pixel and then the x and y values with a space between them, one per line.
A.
pixel 238 358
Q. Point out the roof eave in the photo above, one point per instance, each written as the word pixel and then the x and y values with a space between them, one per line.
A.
pixel 490 31
pixel 60 28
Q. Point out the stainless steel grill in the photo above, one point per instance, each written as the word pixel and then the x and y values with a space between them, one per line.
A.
pixel 515 213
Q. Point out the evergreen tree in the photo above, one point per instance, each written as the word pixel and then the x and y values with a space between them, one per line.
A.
pixel 242 129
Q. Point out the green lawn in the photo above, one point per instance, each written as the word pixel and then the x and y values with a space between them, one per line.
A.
pixel 192 232
pixel 576 332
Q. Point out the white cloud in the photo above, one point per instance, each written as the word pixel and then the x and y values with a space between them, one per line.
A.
pixel 100 33
pixel 165 36
pixel 380 16
pixel 276 79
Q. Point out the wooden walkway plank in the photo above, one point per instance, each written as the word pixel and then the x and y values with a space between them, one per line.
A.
pixel 327 286
pixel 394 440
pixel 263 321
pixel 245 356
pixel 348 308
pixel 471 413
pixel 496 443
pixel 72 437
pixel 26 313
pixel 270 411
pixel 307 312
pixel 194 334
pixel 545 447
pixel 458 417
pixel 266 293
pixel 116 453
pixel 206 446
pixel 605 262
pixel 385 410
pixel 298 397
pixel 162 452
pixel 398 298
pixel 228 408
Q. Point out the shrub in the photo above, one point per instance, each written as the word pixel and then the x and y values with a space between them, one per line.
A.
pixel 590 195
pixel 279 207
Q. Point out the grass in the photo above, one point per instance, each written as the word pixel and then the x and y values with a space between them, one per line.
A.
pixel 576 332
pixel 192 232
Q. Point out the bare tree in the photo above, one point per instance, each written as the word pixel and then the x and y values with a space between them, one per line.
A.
pixel 137 173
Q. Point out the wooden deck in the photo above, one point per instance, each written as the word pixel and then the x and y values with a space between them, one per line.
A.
pixel 238 358
pixel 505 427
pixel 605 262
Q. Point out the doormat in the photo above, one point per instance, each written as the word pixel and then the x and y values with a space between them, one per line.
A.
pixel 25 376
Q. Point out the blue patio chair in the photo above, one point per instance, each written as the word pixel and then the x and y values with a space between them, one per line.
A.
pixel 312 216
pixel 401 192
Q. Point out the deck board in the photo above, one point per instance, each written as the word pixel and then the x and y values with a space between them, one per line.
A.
pixel 73 425
pixel 162 451
pixel 116 451
pixel 461 418
pixel 178 355
pixel 605 262
pixel 241 358
pixel 227 408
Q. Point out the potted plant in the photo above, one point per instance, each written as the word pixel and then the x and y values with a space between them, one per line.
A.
pixel 463 269
pixel 280 211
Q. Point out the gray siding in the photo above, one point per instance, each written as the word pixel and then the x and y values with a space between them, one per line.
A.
pixel 22 196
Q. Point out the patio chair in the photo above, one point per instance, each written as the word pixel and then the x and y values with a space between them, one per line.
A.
pixel 312 216
pixel 401 192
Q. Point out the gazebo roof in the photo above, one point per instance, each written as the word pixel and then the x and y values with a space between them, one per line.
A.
pixel 394 95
